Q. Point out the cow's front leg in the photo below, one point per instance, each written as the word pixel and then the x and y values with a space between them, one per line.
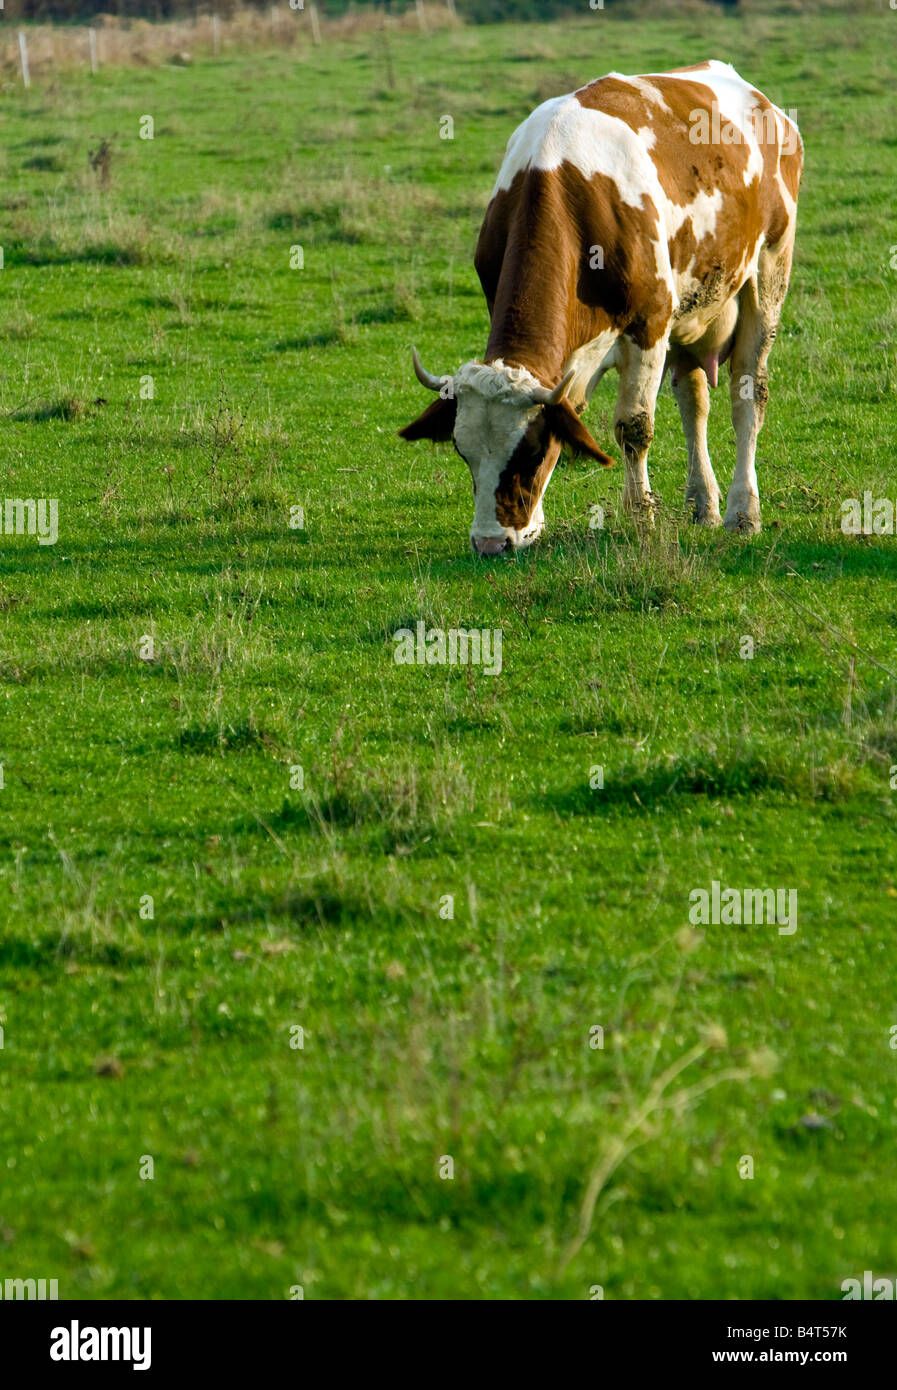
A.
pixel 640 377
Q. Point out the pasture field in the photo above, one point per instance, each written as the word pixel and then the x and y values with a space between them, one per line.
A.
pixel 178 387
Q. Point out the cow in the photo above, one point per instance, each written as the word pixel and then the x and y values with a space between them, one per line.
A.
pixel 639 223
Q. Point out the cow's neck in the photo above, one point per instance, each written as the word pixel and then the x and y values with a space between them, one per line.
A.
pixel 538 319
pixel 529 329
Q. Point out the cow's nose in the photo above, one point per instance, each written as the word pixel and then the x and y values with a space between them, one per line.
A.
pixel 490 545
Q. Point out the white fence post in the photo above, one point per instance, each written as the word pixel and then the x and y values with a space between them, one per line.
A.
pixel 216 34
pixel 23 54
pixel 315 23
pixel 92 41
pixel 421 17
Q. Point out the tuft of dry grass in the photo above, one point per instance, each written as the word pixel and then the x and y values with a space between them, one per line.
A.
pixel 22 326
pixel 658 1099
pixel 67 407
pixel 73 231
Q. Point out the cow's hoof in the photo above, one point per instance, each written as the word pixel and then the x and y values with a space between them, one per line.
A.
pixel 746 519
pixel 704 511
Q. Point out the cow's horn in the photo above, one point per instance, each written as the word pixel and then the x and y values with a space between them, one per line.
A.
pixel 542 396
pixel 432 383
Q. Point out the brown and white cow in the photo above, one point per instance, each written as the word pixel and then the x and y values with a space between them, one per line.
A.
pixel 639 223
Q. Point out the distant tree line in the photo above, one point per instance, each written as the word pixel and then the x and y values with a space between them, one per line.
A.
pixel 477 11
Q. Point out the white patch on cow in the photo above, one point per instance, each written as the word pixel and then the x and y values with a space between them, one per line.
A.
pixel 590 362
pixel 563 131
pixel 701 214
pixel 496 381
pixel 494 410
pixel 647 89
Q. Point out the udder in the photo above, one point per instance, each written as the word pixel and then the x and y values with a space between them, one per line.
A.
pixel 710 350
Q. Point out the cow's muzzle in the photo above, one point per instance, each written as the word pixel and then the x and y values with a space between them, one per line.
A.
pixel 490 545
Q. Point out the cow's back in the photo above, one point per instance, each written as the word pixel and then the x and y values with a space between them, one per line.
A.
pixel 646 198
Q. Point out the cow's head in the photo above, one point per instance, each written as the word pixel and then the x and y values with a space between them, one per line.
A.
pixel 509 430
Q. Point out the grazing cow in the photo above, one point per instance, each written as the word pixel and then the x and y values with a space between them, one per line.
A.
pixel 641 223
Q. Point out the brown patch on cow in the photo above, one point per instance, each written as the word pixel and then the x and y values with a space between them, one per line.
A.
pixel 682 247
pixel 534 259
pixel 436 422
pixel 525 475
pixel 777 164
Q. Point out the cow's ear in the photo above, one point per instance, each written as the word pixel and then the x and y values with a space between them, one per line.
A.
pixel 437 422
pixel 566 426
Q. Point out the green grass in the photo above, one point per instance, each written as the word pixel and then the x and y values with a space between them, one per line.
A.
pixel 425 1036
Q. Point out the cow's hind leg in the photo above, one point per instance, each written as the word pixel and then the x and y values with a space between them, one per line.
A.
pixel 702 492
pixel 760 306
pixel 641 372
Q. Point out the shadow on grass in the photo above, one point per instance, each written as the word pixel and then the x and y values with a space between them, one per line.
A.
pixel 44 164
pixel 223 739
pixel 100 253
pixel 136 556
pixel 739 775
pixel 328 337
pixel 195 303
pixel 325 223
pixel 85 611
pixel 821 561
pixel 47 951
pixel 383 313
pixel 327 904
